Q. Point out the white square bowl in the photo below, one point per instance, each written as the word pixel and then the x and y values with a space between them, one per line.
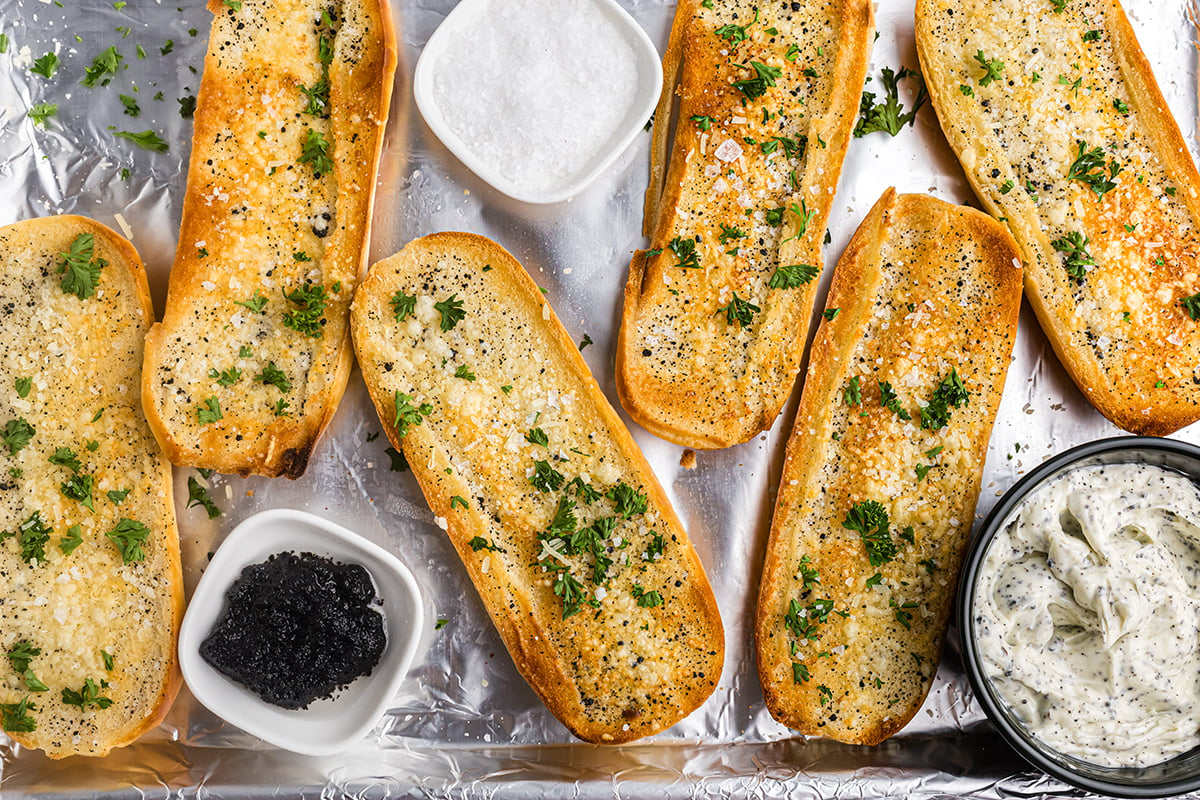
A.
pixel 649 77
pixel 326 726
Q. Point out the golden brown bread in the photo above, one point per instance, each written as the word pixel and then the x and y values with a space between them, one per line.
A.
pixel 89 553
pixel 252 356
pixel 717 312
pixel 851 619
pixel 576 553
pixel 1110 255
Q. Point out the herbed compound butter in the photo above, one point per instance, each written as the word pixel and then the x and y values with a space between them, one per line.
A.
pixel 1087 614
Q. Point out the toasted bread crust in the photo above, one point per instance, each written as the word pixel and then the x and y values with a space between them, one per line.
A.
pixel 258 221
pixel 923 287
pixel 613 671
pixel 83 358
pixel 1121 333
pixel 684 371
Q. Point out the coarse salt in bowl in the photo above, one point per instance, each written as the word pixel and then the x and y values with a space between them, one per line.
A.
pixel 538 97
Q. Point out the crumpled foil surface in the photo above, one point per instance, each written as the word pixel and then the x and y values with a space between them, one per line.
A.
pixel 465 724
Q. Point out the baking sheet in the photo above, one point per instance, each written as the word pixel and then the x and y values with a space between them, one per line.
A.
pixel 465 724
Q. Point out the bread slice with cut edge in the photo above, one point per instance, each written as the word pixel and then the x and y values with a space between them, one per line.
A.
pixel 1064 135
pixel 91 592
pixel 576 553
pixel 883 468
pixel 717 311
pixel 253 353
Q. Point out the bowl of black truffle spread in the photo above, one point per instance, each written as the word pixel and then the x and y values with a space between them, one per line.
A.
pixel 300 632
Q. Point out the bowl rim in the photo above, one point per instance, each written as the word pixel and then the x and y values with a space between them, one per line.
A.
pixel 994 708
pixel 226 566
pixel 646 57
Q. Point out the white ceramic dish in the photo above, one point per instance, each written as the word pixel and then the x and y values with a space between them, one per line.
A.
pixel 326 726
pixel 649 74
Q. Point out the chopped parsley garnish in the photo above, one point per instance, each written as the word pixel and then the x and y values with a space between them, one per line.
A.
pixel 273 376
pixel 1059 5
pixel 1121 106
pixel 729 233
pixel 88 695
pixel 315 151
pixel 702 122
pixel 464 372
pixel 654 550
pixel 79 488
pixel 479 543
pixel 875 580
pixel 889 116
pixel 738 310
pixel 407 414
pixel 129 536
pixel 1006 187
pixel 563 521
pixel 281 408
pixel 1074 245
pixel 32 536
pixel 24 385
pixel 45 66
pixel 73 539
pixel 245 351
pixel 1089 168
pixel 1191 305
pixel 808 574
pixel 16 434
pixel 441 623
pixel 570 591
pixel 583 491
pixel 852 394
pixel 317 97
pixel 108 660
pixel 537 436
pixel 21 654
pixel 870 520
pixel 457 502
pixel 789 276
pixel 992 68
pixel 118 497
pixel 147 140
pixel 209 411
pixel 14 717
pixel 198 496
pixel 830 313
pixel 922 471
pixel 966 90
pixel 187 106
pixel 950 393
pixel 236 5
pixel 756 87
pixel 257 303
pixel 546 478
pixel 1091 36
pixel 403 305
pixel 65 457
pixel 800 673
pixel 646 599
pixel 774 216
pixel 891 401
pixel 584 342
pixel 308 317
pixel 226 377
pixel 734 34
pixel 903 614
pixel 80 272
pixel 131 105
pixel 685 252
pixel 629 501
pixel 451 311
pixel 42 112
pixel 301 256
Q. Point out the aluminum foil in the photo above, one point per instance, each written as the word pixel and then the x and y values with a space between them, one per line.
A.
pixel 465 724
